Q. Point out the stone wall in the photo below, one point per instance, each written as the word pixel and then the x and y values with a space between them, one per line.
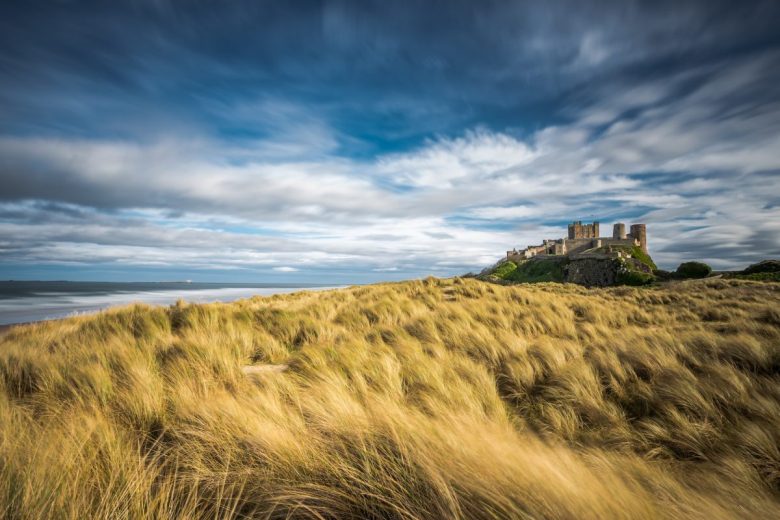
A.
pixel 629 242
pixel 573 245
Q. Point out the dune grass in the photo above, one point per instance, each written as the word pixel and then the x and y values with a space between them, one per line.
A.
pixel 424 399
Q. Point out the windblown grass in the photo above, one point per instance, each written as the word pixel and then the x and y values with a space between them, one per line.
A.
pixel 426 399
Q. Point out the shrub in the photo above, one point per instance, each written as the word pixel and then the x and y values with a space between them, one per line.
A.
pixel 764 266
pixel 629 277
pixel 693 270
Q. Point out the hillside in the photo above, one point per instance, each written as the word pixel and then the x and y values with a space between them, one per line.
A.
pixel 766 270
pixel 423 399
pixel 598 267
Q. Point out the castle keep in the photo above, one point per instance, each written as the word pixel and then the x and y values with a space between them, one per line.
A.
pixel 584 242
pixel 580 230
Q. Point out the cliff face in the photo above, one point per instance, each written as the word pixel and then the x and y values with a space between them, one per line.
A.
pixel 603 272
pixel 593 272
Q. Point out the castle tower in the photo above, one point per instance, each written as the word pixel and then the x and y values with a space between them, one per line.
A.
pixel 575 229
pixel 639 232
pixel 579 230
pixel 619 231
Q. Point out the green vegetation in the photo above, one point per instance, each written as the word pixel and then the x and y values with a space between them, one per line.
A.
pixel 627 276
pixel 693 270
pixel 662 275
pixel 758 277
pixel 634 251
pixel 764 271
pixel 765 266
pixel 504 270
pixel 637 270
pixel 637 253
pixel 629 272
pixel 424 399
pixel 532 271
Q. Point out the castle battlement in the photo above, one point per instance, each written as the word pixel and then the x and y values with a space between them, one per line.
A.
pixel 583 239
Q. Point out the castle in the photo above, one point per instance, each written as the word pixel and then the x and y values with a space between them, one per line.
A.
pixel 584 241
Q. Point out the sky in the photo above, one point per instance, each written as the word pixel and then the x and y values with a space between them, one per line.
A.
pixel 357 141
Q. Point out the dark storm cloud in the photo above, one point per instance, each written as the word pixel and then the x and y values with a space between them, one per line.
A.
pixel 404 69
pixel 313 131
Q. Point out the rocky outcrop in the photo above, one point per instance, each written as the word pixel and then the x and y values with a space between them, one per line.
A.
pixel 603 272
pixel 598 272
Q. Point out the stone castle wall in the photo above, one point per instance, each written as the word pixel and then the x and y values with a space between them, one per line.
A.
pixel 617 242
pixel 583 237
pixel 574 245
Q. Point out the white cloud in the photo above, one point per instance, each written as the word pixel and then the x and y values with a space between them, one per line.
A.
pixel 503 213
pixel 286 269
pixel 448 204
pixel 447 163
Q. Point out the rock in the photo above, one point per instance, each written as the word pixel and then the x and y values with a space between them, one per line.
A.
pixel 593 272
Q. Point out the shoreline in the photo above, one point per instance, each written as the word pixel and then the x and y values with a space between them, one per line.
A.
pixel 21 312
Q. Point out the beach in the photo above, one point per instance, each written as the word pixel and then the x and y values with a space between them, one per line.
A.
pixel 25 302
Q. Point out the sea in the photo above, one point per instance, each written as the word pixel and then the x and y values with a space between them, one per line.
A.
pixel 28 301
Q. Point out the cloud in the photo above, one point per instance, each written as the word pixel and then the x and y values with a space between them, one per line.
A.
pixel 286 269
pixel 444 163
pixel 404 141
pixel 427 207
pixel 503 213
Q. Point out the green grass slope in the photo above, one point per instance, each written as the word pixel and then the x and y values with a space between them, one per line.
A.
pixel 759 277
pixel 641 256
pixel 531 271
pixel 764 271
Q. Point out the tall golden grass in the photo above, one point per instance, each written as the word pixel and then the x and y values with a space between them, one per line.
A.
pixel 424 399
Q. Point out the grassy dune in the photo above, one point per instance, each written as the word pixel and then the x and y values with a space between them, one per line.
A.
pixel 427 399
